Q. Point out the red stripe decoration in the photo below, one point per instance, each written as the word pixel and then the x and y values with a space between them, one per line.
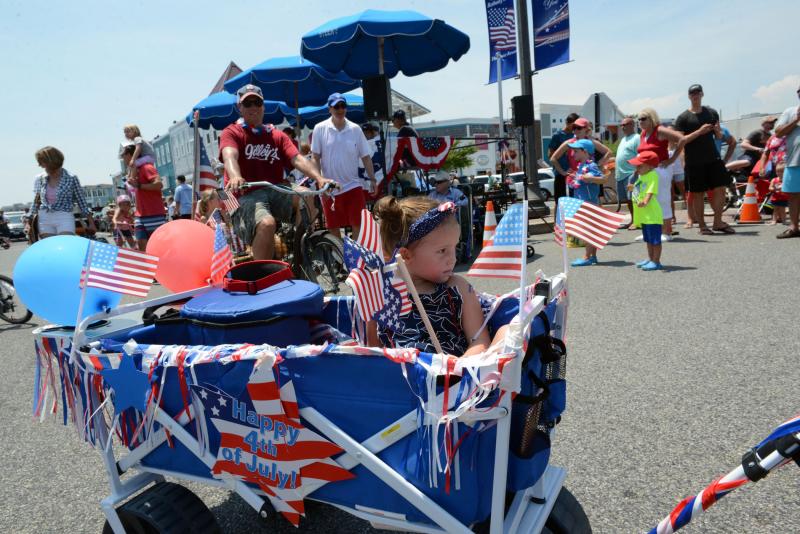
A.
pixel 369 234
pixel 121 270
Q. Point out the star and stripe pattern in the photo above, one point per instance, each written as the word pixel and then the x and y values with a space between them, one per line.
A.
pixel 502 258
pixel 222 257
pixel 502 28
pixel 586 221
pixel 117 269
pixel 208 180
pixel 275 450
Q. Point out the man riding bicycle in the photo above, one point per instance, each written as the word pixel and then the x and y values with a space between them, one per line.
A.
pixel 254 152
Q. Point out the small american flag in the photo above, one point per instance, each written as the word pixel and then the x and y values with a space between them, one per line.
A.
pixel 222 258
pixel 121 270
pixel 229 201
pixel 502 29
pixel 586 221
pixel 365 278
pixel 369 235
pixel 502 258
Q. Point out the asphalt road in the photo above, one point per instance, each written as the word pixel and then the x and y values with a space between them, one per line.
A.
pixel 673 375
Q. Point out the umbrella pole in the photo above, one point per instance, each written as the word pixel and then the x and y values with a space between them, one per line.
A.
pixel 196 174
pixel 297 111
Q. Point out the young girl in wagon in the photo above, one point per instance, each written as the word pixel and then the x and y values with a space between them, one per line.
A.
pixel 425 234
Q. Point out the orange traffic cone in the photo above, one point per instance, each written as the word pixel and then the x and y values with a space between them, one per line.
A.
pixel 749 213
pixel 489 224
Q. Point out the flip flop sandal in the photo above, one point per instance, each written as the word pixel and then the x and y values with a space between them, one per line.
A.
pixel 788 233
pixel 725 230
pixel 705 231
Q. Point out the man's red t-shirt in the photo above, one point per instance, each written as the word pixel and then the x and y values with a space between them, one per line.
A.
pixel 148 203
pixel 262 156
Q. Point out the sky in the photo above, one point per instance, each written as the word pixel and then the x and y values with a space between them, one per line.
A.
pixel 76 72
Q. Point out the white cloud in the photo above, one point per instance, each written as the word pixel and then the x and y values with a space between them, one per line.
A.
pixel 665 105
pixel 777 92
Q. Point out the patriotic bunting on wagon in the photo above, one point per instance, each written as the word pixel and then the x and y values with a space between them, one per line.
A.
pixel 586 221
pixel 502 257
pixel 121 270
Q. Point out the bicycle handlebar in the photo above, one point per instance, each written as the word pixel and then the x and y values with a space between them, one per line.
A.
pixel 289 190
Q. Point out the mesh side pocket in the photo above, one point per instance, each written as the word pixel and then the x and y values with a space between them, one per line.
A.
pixel 554 361
pixel 526 424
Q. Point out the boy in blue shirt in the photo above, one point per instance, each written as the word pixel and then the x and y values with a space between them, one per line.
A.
pixel 585 185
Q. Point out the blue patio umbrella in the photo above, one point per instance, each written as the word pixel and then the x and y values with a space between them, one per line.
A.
pixel 384 42
pixel 219 110
pixel 293 80
pixel 310 116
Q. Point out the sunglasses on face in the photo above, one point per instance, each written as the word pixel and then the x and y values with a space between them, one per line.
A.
pixel 577 127
pixel 642 119
pixel 627 124
pixel 252 103
pixel 340 105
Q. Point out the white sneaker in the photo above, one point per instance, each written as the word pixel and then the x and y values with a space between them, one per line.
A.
pixel 666 237
pixel 639 238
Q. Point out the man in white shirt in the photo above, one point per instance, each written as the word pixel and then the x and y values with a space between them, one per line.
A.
pixel 337 145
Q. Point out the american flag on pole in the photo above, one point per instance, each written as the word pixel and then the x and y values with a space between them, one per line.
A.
pixel 365 278
pixel 502 258
pixel 222 258
pixel 586 221
pixel 208 180
pixel 263 442
pixel 230 202
pixel 502 28
pixel 121 270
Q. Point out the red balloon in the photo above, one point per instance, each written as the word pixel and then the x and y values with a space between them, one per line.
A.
pixel 184 249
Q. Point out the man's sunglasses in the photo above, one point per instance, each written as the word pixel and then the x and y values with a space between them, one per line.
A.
pixel 252 103
pixel 340 105
pixel 577 127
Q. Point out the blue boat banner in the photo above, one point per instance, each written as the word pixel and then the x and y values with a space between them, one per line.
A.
pixel 502 38
pixel 550 33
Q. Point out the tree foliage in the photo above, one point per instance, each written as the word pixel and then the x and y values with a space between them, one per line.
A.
pixel 459 157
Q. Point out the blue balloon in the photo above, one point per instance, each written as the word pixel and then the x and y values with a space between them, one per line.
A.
pixel 47 277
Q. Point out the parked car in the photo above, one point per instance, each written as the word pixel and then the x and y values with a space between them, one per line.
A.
pixel 16 226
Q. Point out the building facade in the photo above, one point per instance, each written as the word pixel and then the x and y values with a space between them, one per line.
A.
pixel 100 195
pixel 161 146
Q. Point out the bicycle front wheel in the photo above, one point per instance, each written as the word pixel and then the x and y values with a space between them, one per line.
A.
pixel 11 307
pixel 612 199
pixel 324 262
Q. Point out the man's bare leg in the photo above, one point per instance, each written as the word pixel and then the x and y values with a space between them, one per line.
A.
pixel 697 210
pixel 264 240
pixel 717 201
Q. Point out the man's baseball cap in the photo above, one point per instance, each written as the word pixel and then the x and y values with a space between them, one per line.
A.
pixel 249 90
pixel 399 114
pixel 771 119
pixel 335 98
pixel 583 144
pixel 441 176
pixel 581 123
pixel 695 88
pixel 368 126
pixel 648 157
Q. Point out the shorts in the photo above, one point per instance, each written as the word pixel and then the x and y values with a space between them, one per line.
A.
pixel 677 178
pixel 344 209
pixel 258 204
pixel 622 188
pixel 126 233
pixel 791 180
pixel 665 191
pixel 702 177
pixel 143 227
pixel 651 234
pixel 56 222
pixel 779 203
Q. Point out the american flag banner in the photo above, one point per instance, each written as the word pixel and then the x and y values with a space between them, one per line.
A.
pixel 263 442
pixel 208 180
pixel 502 258
pixel 426 153
pixel 121 270
pixel 500 19
pixel 222 257
pixel 586 221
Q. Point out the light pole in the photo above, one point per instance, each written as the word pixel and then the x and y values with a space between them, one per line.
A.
pixel 528 132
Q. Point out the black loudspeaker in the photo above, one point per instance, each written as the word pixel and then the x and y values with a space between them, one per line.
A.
pixel 522 110
pixel 377 98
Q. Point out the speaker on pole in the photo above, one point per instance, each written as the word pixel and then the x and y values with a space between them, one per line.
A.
pixel 377 98
pixel 522 110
